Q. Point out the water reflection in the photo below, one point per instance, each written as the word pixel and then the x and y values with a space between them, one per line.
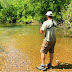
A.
pixel 22 45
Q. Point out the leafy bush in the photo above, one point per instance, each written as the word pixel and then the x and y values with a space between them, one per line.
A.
pixel 30 10
pixel 67 15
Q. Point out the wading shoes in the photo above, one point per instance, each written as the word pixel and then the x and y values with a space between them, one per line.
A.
pixel 49 66
pixel 41 68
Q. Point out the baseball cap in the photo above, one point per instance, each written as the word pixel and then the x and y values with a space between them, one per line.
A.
pixel 49 13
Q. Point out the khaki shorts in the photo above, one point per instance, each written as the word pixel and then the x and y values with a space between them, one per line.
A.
pixel 47 46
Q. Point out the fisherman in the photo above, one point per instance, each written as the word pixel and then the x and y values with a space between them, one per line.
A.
pixel 49 28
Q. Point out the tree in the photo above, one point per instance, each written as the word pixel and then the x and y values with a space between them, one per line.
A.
pixel 40 7
pixel 30 10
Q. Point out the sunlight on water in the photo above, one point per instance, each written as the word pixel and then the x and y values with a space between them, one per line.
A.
pixel 20 48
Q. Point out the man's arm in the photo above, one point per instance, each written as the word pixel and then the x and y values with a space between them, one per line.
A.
pixel 43 28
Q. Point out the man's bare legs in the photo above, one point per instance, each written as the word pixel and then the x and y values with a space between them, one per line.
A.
pixel 42 66
pixel 42 58
pixel 51 57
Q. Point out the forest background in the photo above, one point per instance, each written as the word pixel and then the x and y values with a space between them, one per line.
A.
pixel 29 11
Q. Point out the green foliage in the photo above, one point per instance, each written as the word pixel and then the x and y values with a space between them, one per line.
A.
pixel 10 12
pixel 0 7
pixel 42 6
pixel 67 18
pixel 67 15
pixel 30 10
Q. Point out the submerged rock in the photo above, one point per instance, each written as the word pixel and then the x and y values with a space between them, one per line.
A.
pixel 57 61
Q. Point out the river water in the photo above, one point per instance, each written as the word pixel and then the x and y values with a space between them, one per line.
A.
pixel 20 49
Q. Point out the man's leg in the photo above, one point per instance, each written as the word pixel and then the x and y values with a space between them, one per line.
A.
pixel 42 58
pixel 42 66
pixel 51 58
pixel 42 51
pixel 51 51
pixel 50 63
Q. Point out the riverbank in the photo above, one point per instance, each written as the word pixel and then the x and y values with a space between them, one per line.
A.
pixel 64 31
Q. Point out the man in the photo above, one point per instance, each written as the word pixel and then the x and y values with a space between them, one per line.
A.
pixel 49 27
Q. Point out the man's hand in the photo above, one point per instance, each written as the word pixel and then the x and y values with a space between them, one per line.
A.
pixel 41 31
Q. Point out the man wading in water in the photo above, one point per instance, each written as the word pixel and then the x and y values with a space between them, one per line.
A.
pixel 49 27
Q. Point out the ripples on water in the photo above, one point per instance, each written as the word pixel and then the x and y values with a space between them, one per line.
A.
pixel 20 48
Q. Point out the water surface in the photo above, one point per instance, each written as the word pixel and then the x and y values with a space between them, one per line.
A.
pixel 20 49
